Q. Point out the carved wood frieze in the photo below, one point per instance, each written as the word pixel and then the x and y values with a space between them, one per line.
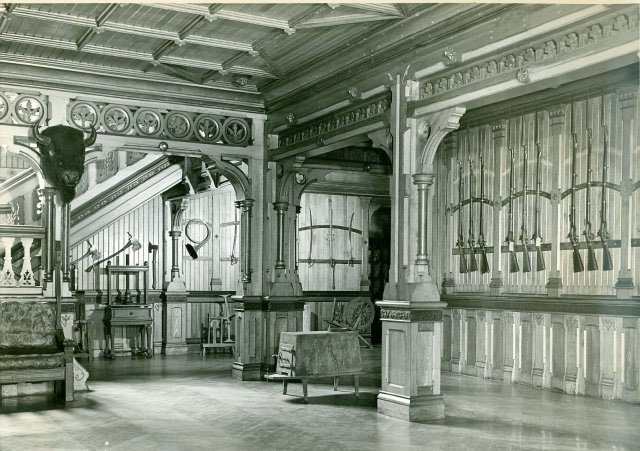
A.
pixel 22 108
pixel 334 121
pixel 545 50
pixel 115 119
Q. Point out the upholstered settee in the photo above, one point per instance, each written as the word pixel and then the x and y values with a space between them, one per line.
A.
pixel 32 348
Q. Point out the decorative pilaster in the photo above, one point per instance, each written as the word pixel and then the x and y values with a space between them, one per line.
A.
pixel 423 182
pixel 499 136
pixel 280 208
pixel 250 324
pixel 629 123
pixel 412 313
pixel 50 231
pixel 246 206
pixel 557 119
pixel 448 284
pixel 174 296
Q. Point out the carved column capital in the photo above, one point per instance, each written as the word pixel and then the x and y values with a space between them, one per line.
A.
pixel 558 114
pixel 280 206
pixel 423 179
pixel 177 211
pixel 499 129
pixel 628 97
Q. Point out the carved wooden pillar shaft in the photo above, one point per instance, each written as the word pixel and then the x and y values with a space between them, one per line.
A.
pixel 66 228
pixel 280 208
pixel 50 224
pixel 499 147
pixel 246 206
pixel 557 120
pixel 295 237
pixel 422 181
pixel 175 248
pixel 629 124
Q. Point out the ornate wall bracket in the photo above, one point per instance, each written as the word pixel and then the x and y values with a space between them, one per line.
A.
pixel 439 125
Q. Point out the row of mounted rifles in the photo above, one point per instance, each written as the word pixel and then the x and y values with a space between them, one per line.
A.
pixel 589 236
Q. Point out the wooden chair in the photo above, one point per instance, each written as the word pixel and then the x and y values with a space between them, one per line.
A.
pixel 215 329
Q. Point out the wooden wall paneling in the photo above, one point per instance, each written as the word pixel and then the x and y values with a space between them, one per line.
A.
pixel 630 361
pixel 591 355
pixel 560 339
pixel 510 342
pixel 482 339
pixel 470 335
pixel 456 341
pixel 447 331
pixel 525 341
pixel 608 357
pixel 539 343
pixel 496 346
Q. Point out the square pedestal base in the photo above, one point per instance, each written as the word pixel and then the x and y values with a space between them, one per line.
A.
pixel 247 372
pixel 417 409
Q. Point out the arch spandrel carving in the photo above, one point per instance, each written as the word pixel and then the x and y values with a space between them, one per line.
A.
pixel 431 131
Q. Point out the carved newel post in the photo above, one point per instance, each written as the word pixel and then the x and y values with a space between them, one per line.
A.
pixel 174 296
pixel 411 312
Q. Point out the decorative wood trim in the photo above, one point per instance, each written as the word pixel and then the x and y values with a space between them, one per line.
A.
pixel 542 51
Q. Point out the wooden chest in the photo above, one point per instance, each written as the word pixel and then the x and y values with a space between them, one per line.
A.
pixel 316 354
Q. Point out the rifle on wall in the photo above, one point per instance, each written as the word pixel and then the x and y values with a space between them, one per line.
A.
pixel 537 239
pixel 524 235
pixel 603 232
pixel 460 242
pixel 484 262
pixel 578 266
pixel 513 258
pixel 473 265
pixel 592 263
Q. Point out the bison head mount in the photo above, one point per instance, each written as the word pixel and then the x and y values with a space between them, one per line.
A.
pixel 62 156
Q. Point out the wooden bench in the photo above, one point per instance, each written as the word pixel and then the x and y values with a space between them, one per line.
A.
pixel 310 355
pixel 32 348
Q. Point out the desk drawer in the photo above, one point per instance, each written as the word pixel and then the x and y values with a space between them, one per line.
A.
pixel 133 312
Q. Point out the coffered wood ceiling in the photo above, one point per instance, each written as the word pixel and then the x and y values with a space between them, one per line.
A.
pixel 239 47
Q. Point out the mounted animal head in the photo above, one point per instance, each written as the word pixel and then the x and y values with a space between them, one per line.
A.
pixel 62 156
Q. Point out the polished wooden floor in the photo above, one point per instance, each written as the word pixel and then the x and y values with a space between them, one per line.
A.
pixel 191 403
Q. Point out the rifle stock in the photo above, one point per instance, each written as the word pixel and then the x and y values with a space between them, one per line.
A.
pixel 603 233
pixel 578 266
pixel 460 242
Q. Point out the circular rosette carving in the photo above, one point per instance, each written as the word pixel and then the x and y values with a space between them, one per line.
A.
pixel 178 125
pixel 4 106
pixel 208 128
pixel 116 119
pixel 29 109
pixel 83 115
pixel 235 131
pixel 147 122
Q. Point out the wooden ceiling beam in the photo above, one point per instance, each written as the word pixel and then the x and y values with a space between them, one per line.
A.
pixel 131 54
pixel 100 20
pixel 344 20
pixel 305 16
pixel 271 64
pixel 133 29
pixel 5 17
pixel 189 76
pixel 380 8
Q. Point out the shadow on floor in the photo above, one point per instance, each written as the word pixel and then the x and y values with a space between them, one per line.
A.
pixel 366 400
pixel 41 403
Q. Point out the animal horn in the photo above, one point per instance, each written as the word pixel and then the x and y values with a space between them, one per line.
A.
pixel 39 137
pixel 92 137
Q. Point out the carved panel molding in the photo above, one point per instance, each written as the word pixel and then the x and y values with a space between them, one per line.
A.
pixel 22 108
pixel 545 50
pixel 334 121
pixel 115 119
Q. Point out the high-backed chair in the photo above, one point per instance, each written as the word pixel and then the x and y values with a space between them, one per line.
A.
pixel 32 346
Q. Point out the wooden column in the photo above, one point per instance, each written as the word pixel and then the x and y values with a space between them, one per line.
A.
pixel 448 284
pixel 499 135
pixel 629 133
pixel 557 121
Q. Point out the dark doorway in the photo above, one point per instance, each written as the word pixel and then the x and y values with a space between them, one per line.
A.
pixel 379 262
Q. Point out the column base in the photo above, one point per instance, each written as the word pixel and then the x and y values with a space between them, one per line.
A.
pixel 416 408
pixel 554 284
pixel 175 349
pixel 247 371
pixel 624 285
